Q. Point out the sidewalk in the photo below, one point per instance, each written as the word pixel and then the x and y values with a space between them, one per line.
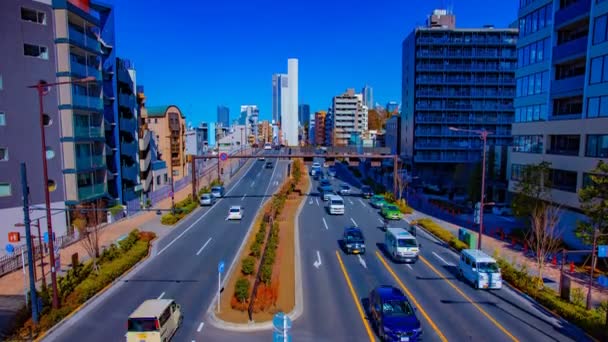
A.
pixel 12 285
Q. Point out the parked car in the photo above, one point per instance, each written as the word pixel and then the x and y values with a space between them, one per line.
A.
pixel 377 201
pixel 344 190
pixel 207 199
pixel 366 192
pixel 392 315
pixel 353 241
pixel 217 191
pixel 391 212
pixel 235 212
pixel 269 165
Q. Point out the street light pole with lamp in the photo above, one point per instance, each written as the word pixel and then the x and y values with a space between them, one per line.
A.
pixel 483 134
pixel 43 89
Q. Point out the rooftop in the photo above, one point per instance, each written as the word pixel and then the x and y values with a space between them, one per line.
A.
pixel 161 111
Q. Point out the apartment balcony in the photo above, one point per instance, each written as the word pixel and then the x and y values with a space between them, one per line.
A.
pixel 464 145
pixel 144 140
pixel 84 70
pixel 129 149
pixel 144 163
pixel 147 182
pixel 90 162
pixel 84 131
pixel 570 50
pixel 83 40
pixel 460 94
pixel 87 102
pixel 453 41
pixel 129 172
pixel 95 190
pixel 477 120
pixel 126 100
pixel 446 157
pixel 572 13
pixel 128 125
pixel 568 86
pixel 465 107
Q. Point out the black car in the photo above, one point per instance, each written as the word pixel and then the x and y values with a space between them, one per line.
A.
pixel 392 315
pixel 353 241
pixel 366 192
pixel 268 165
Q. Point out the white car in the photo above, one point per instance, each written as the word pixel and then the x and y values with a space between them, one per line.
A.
pixel 344 189
pixel 207 199
pixel 235 213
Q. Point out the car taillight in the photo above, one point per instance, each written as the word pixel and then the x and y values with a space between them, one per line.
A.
pixel 157 325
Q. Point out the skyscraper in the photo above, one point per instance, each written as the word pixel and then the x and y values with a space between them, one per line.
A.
pixel 223 115
pixel 279 84
pixel 303 114
pixel 289 124
pixel 347 117
pixel 368 97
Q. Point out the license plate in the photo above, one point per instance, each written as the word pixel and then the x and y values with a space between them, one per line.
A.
pixel 407 260
pixel 405 339
pixel 355 252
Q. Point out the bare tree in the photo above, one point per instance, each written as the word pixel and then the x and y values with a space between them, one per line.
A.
pixel 543 236
pixel 401 184
pixel 90 236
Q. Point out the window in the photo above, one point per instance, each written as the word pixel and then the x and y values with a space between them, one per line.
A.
pixel 3 154
pixel 516 171
pixel 597 107
pixel 157 180
pixel 597 146
pixel 532 84
pixel 5 189
pixel 33 16
pixel 595 76
pixel 563 180
pixel 528 143
pixel 535 20
pixel 35 51
pixel 599 29
pixel 1 83
pixel 2 119
pixel 564 144
pixel 166 178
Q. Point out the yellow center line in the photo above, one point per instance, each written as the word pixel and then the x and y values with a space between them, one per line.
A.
pixel 411 296
pixel 484 312
pixel 356 299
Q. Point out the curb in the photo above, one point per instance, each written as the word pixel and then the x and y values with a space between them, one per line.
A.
pixel 98 294
pixel 298 309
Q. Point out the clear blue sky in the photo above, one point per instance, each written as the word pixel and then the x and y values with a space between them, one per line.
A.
pixel 199 54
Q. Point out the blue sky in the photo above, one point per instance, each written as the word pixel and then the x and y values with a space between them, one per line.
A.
pixel 199 54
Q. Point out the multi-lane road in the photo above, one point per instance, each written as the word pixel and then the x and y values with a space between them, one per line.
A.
pixel 335 285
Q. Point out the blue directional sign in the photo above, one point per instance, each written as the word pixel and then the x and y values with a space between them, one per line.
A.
pixel 10 249
pixel 602 251
pixel 45 237
pixel 603 281
pixel 282 324
pixel 220 267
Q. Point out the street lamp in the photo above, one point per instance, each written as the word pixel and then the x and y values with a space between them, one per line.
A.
pixel 43 89
pixel 483 134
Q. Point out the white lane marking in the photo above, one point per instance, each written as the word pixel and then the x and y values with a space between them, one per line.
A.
pixel 442 259
pixel 252 184
pixel 161 296
pixel 318 262
pixel 269 182
pixel 316 199
pixel 351 202
pixel 205 245
pixel 355 223
pixel 361 261
pixel 202 216
pixel 243 198
pixel 381 220
pixel 410 266
pixel 325 223
pixel 362 203
pixel 200 327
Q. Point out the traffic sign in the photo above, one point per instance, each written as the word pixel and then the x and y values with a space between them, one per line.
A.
pixel 10 249
pixel 14 237
pixel 223 156
pixel 603 281
pixel 602 251
pixel 282 324
pixel 45 237
pixel 220 267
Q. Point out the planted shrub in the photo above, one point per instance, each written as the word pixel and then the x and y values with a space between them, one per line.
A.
pixel 248 265
pixel 256 250
pixel 266 273
pixel 169 219
pixel 241 289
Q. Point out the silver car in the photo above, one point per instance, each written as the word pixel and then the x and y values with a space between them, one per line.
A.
pixel 207 199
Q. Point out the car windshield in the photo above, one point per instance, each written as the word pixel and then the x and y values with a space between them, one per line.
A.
pixel 397 308
pixel 216 189
pixel 234 210
pixel 142 324
pixel 206 196
pixel 366 189
pixel 377 198
pixel 345 187
pixel 489 267
pixel 354 237
pixel 392 208
pixel 407 242
pixel 337 202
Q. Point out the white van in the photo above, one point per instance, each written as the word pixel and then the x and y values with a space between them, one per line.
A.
pixel 335 205
pixel 401 245
pixel 478 268
pixel 155 320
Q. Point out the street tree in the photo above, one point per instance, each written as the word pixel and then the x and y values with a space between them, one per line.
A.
pixel 89 234
pixel 594 203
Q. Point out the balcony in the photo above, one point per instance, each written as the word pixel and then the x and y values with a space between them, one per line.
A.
pixel 84 70
pixel 570 50
pixel 144 140
pixel 128 149
pixel 477 120
pixel 572 12
pixel 84 40
pixel 446 157
pixel 90 162
pixel 128 125
pixel 144 163
pixel 568 85
pixel 87 192
pixel 130 172
pixel 464 145
pixel 82 131
pixel 126 100
pixel 88 102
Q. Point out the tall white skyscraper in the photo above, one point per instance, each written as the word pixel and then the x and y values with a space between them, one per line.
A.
pixel 290 116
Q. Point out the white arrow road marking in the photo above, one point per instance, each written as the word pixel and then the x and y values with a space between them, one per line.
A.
pixel 200 327
pixel 440 258
pixel 361 261
pixel 161 296
pixel 318 262
pixel 205 245
pixel 355 223
pixel 325 223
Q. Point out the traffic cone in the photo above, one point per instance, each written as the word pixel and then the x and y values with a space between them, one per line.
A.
pixel 571 266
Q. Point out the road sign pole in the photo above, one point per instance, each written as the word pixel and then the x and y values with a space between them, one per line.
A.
pixel 24 275
pixel 28 240
pixel 219 281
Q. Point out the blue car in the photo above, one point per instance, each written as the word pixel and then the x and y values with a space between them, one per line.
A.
pixel 392 315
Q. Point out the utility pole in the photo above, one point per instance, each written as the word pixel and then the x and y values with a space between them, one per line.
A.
pixel 593 261
pixel 28 238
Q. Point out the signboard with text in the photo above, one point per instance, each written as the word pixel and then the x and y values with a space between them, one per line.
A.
pixel 14 237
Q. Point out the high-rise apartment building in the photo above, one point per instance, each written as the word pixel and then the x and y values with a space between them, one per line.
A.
pixel 169 127
pixel 455 78
pixel 561 103
pixel 146 153
pixel 223 115
pixel 28 56
pixel 348 116
pixel 368 97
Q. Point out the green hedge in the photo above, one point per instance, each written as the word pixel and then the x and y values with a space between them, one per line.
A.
pixel 441 233
pixel 241 291
pixel 182 209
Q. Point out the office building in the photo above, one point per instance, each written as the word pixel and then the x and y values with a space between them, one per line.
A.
pixel 393 134
pixel 264 132
pixel 368 97
pixel 348 116
pixel 250 115
pixel 311 130
pixel 303 115
pixel 223 115
pixel 169 127
pixel 392 108
pixel 197 140
pixel 455 78
pixel 285 103
pixel 320 127
pixel 561 104
pixel 28 56
pixel 146 155
pixel 279 87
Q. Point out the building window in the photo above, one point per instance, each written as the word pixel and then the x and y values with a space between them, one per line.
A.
pixel 3 154
pixel 564 144
pixel 33 16
pixel 2 119
pixel 535 20
pixel 568 106
pixel 1 83
pixel 35 51
pixel 597 106
pixel 5 189
pixel 599 70
pixel 532 84
pixel 533 53
pixel 528 143
pixel 517 171
pixel 166 178
pixel 597 146
pixel 563 180
pixel 599 29
pixel 531 113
